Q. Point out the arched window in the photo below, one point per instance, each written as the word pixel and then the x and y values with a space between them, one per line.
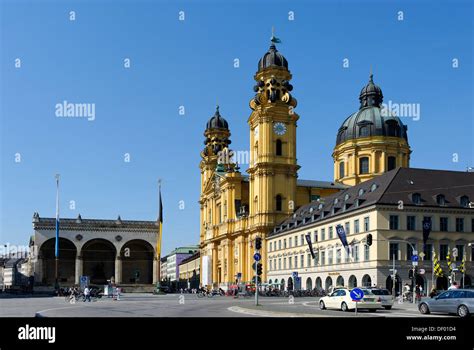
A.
pixel 278 202
pixel 279 147
pixel 341 170
pixel 364 165
pixel 391 163
pixel 464 201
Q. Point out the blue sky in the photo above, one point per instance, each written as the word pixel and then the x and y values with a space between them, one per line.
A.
pixel 190 63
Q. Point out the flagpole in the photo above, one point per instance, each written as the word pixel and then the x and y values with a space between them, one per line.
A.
pixel 158 241
pixel 432 269
pixel 56 246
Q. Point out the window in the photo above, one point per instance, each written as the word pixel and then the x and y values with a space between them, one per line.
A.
pixel 391 163
pixel 393 254
pixel 279 264
pixel 316 258
pixel 302 261
pixel 428 250
pixel 338 256
pixel 440 199
pixel 443 251
pixel 330 232
pixel 459 224
pixel 366 224
pixel 416 198
pixel 279 148
pixel 392 128
pixel 302 239
pixel 347 227
pixel 279 244
pixel 409 252
pixel 363 131
pixel 296 241
pixel 323 234
pixel 330 256
pixel 347 256
pixel 460 249
pixel 411 223
pixel 364 165
pixel 315 236
pixel 284 243
pixel 290 262
pixel 393 222
pixel 472 225
pixel 290 242
pixel 443 224
pixel 464 201
pixel 366 252
pixel 323 258
pixel 341 170
pixel 356 253
pixel 296 262
pixel 356 226
pixel 309 260
pixel 278 202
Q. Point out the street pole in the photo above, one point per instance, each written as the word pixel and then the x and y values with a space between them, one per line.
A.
pixel 414 285
pixel 56 248
pixel 256 281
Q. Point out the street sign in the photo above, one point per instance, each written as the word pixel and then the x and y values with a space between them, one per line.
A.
pixel 357 294
pixel 414 263
pixel 294 274
pixel 421 255
pixel 257 257
pixel 414 258
pixel 239 274
pixel 421 271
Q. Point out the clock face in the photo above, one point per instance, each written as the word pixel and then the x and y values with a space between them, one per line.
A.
pixel 279 128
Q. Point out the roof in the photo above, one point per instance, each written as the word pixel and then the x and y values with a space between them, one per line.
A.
pixel 185 250
pixel 312 183
pixel 389 189
pixel 13 262
pixel 272 58
pixel 80 224
pixel 191 258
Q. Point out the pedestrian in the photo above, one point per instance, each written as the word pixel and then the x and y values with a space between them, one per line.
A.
pixel 433 292
pixel 454 285
pixel 87 294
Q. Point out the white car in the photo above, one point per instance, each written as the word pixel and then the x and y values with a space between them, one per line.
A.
pixel 341 299
pixel 384 297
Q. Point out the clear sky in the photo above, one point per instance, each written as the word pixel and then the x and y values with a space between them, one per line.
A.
pixel 190 63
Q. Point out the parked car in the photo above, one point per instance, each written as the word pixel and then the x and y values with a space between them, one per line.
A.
pixel 456 301
pixel 341 299
pixel 384 296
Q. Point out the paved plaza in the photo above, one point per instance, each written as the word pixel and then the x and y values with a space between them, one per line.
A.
pixel 186 305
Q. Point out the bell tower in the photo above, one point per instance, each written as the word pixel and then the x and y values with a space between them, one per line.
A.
pixel 273 167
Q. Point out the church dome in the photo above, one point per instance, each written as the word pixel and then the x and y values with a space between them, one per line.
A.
pixel 371 120
pixel 272 58
pixel 217 121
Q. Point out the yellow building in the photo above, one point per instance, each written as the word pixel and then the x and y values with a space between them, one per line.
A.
pixel 235 209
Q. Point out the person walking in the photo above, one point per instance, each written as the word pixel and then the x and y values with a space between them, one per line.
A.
pixel 87 294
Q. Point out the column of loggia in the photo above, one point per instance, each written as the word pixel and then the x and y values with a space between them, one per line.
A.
pixel 79 269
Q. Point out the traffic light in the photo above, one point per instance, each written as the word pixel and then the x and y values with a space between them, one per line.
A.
pixel 258 243
pixel 369 240
pixel 259 269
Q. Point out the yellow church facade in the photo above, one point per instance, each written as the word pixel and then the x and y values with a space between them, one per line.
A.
pixel 235 208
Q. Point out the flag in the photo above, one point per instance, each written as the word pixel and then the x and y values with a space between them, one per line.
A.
pixel 160 226
pixel 438 271
pixel 448 260
pixel 342 235
pixel 56 245
pixel 308 240
pixel 426 230
pixel 462 267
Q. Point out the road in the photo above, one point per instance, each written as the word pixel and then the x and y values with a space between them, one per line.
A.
pixel 187 305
